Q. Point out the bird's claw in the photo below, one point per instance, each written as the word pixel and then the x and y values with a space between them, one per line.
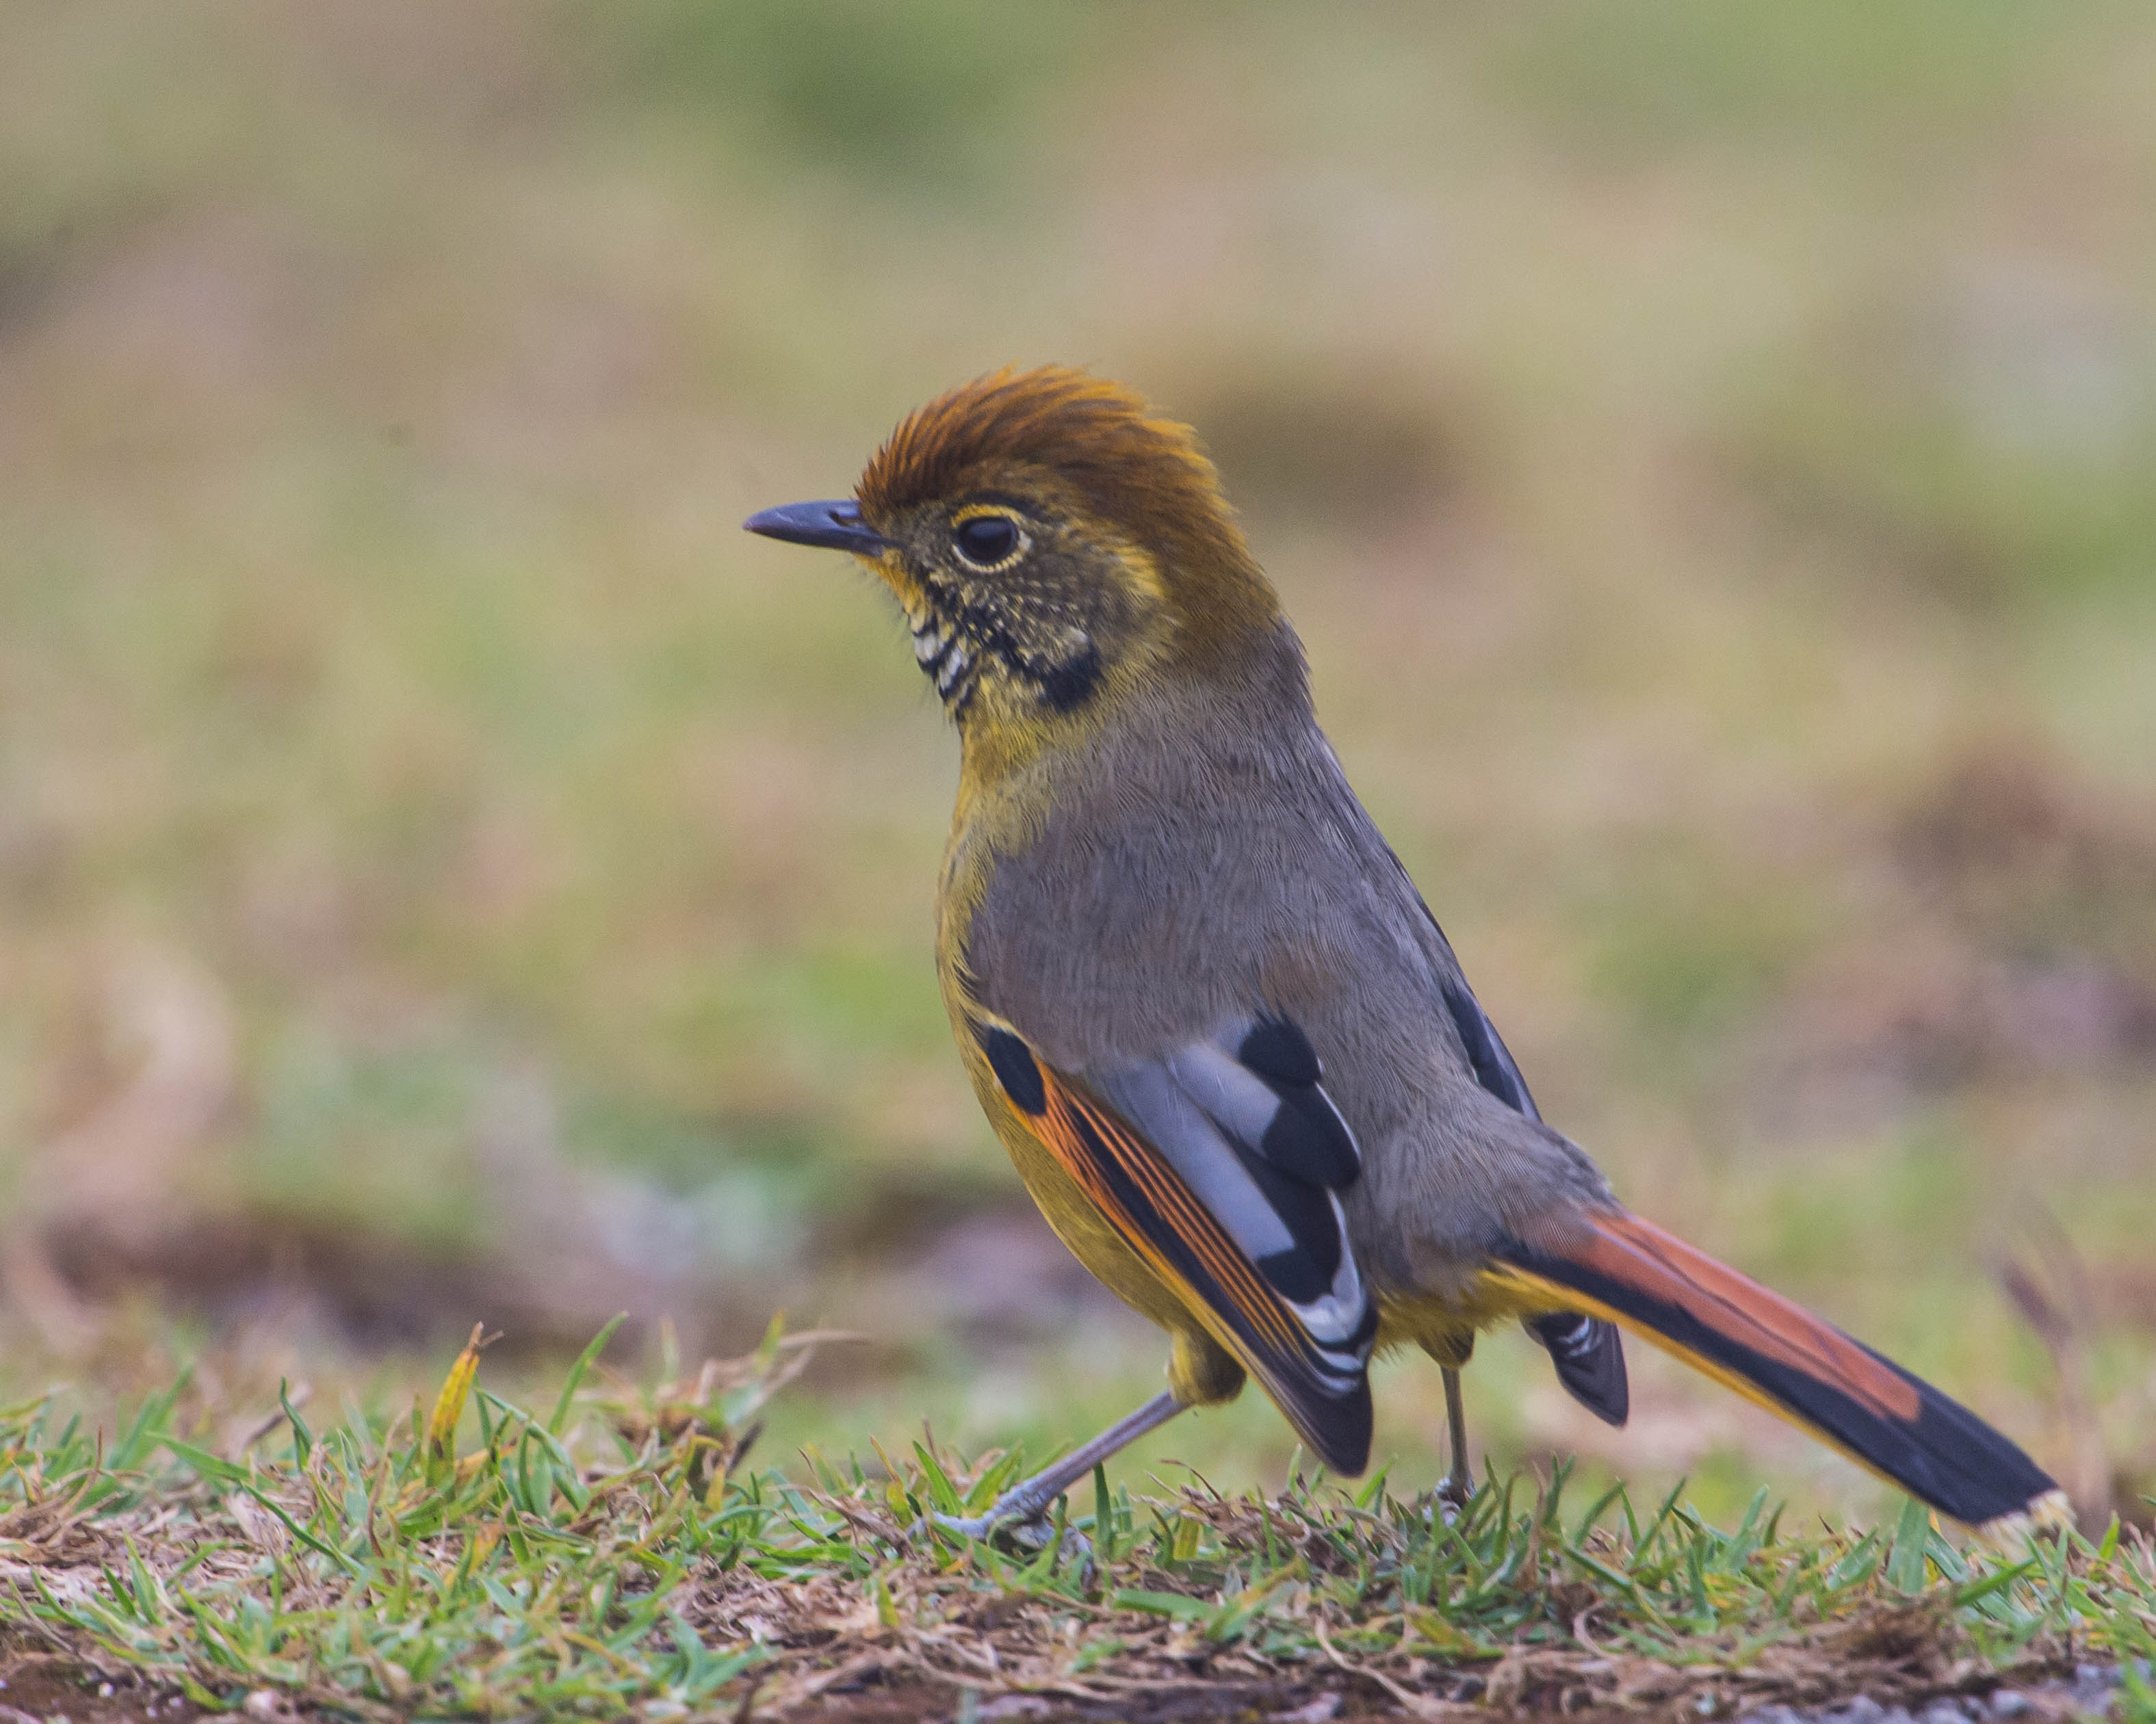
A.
pixel 1031 1536
pixel 1451 1500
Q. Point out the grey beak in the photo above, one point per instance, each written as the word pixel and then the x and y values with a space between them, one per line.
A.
pixel 835 527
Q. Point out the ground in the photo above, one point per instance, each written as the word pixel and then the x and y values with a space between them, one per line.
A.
pixel 618 1557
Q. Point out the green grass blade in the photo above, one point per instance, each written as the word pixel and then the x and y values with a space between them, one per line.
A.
pixel 574 1381
pixel 1906 1561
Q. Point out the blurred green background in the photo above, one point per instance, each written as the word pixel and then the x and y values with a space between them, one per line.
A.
pixel 448 871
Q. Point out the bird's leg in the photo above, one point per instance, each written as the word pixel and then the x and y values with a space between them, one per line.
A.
pixel 1033 1499
pixel 1460 1483
pixel 1452 1348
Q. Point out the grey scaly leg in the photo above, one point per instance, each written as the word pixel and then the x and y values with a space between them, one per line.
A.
pixel 1033 1499
pixel 1460 1483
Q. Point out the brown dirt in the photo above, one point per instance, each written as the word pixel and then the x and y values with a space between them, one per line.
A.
pixel 41 1685
pixel 46 1686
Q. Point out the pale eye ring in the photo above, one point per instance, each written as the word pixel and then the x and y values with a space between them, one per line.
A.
pixel 988 542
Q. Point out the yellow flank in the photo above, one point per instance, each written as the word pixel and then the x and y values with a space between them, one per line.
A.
pixel 1077 1222
pixel 1201 1371
pixel 1438 1325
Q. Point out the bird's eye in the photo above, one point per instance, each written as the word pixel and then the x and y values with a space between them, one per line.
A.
pixel 987 541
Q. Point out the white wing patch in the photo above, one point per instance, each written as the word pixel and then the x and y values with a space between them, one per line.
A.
pixel 1243 1117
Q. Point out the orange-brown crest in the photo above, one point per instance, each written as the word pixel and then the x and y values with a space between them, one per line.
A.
pixel 1139 472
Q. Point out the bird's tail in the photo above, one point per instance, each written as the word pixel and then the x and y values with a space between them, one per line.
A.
pixel 1781 1356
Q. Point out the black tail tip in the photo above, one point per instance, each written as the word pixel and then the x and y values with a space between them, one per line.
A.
pixel 1959 1464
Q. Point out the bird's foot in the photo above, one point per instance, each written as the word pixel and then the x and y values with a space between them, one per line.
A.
pixel 1450 1499
pixel 965 1526
pixel 1028 1536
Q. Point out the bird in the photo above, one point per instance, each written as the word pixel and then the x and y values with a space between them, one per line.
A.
pixel 1230 1051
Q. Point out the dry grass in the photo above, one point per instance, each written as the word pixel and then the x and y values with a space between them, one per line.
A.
pixel 616 1555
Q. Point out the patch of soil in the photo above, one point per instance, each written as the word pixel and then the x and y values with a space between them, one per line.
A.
pixel 42 1685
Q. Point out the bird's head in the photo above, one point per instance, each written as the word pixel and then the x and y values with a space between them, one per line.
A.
pixel 1055 545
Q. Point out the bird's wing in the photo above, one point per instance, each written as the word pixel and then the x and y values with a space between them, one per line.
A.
pixel 1490 1060
pixel 1218 1164
pixel 1778 1354
pixel 1588 1352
